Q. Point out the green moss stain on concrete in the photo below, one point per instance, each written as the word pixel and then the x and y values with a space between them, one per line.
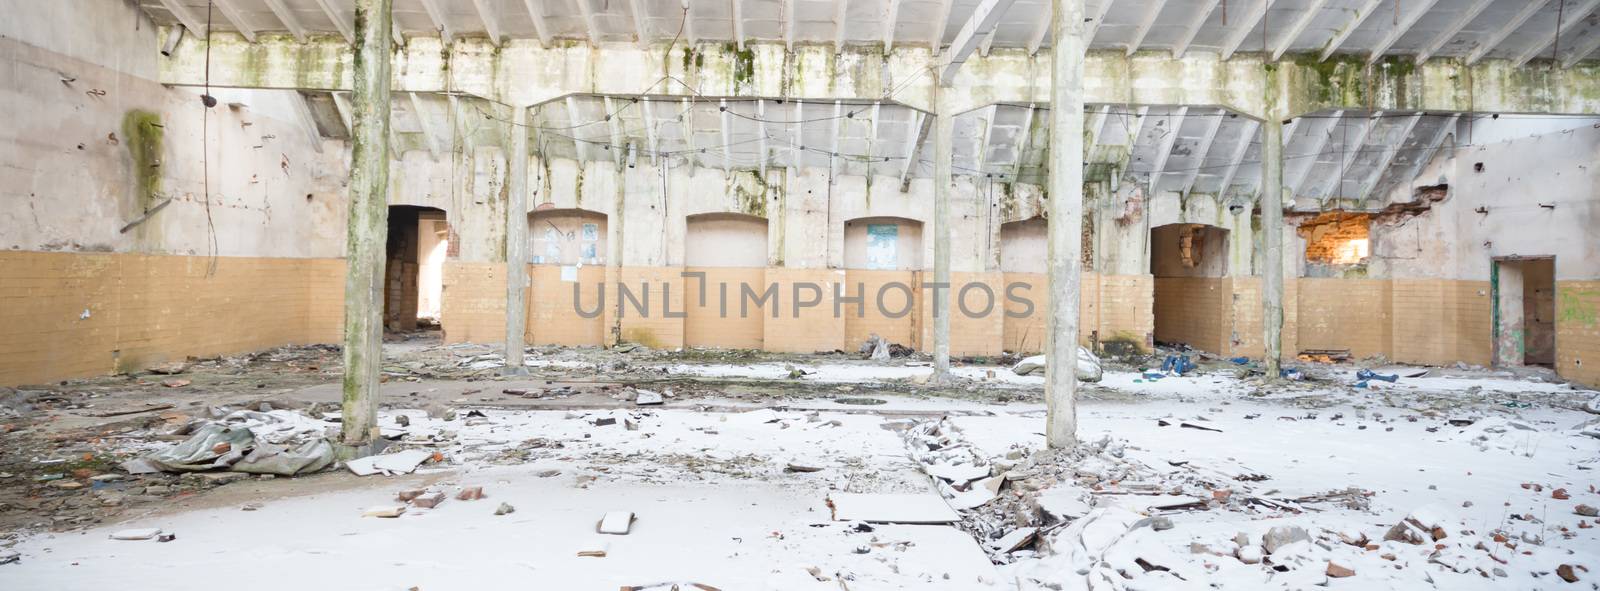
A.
pixel 750 192
pixel 1009 202
pixel 1580 306
pixel 744 67
pixel 1315 84
pixel 144 137
pixel 693 60
pixel 546 181
pixel 642 336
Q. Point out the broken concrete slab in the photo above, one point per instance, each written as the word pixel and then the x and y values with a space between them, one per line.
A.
pixel 428 500
pixel 617 523
pixel 957 473
pixel 404 462
pixel 385 511
pixel 1016 540
pixel 145 533
pixel 648 398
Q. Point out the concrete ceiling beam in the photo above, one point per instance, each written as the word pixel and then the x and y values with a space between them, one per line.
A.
pixel 1400 30
pixel 1234 40
pixel 984 19
pixel 1190 33
pixel 1451 30
pixel 490 20
pixel 1145 24
pixel 236 18
pixel 1493 41
pixel 1362 14
pixel 1569 21
pixel 288 19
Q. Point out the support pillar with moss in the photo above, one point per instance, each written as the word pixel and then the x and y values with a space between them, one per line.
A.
pixel 1272 232
pixel 368 223
pixel 1063 235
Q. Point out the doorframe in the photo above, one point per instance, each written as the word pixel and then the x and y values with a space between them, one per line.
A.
pixel 1494 304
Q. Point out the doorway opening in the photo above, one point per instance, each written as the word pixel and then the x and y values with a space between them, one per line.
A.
pixel 1190 265
pixel 419 242
pixel 1524 311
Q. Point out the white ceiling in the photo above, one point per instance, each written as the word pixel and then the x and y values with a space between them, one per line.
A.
pixel 1473 29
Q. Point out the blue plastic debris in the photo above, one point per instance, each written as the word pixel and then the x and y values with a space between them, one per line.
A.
pixel 1177 365
pixel 1153 376
pixel 1291 374
pixel 1367 374
pixel 1240 360
pixel 1361 384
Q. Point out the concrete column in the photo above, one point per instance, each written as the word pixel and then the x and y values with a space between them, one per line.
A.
pixel 517 243
pixel 943 149
pixel 1272 235
pixel 1064 209
pixel 614 250
pixel 368 223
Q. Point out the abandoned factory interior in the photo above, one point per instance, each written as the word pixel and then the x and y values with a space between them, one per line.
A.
pixel 800 295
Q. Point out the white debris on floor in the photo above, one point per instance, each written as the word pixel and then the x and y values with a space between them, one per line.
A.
pixel 1199 481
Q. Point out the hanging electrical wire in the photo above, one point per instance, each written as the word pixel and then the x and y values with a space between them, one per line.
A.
pixel 212 245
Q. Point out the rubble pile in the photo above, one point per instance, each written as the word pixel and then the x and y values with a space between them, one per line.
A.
pixel 1117 548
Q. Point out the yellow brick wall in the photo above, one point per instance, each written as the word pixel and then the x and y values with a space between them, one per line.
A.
pixel 816 329
pixel 1344 314
pixel 1114 307
pixel 1126 306
pixel 905 330
pixel 709 325
pixel 1439 321
pixel 1578 331
pixel 143 310
pixel 654 328
pixel 148 309
pixel 968 336
pixel 1025 335
pixel 552 317
pixel 325 300
pixel 1246 337
pixel 473 306
pixel 1194 310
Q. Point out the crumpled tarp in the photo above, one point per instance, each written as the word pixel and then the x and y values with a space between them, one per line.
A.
pixel 1088 366
pixel 200 452
pixel 271 458
pixel 243 453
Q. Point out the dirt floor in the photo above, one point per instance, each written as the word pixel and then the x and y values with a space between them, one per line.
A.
pixel 1226 455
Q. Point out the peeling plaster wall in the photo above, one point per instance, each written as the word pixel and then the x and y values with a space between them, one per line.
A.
pixel 1452 240
pixel 92 141
pixel 72 177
